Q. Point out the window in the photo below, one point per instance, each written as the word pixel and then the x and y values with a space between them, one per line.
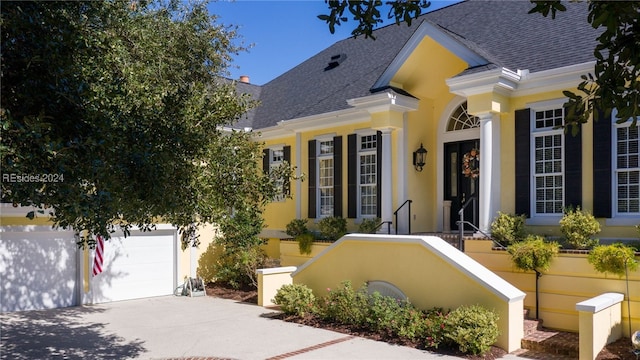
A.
pixel 367 184
pixel 626 169
pixel 325 178
pixel 547 162
pixel 276 158
pixel 462 120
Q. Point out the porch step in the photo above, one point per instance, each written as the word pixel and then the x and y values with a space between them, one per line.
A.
pixel 550 344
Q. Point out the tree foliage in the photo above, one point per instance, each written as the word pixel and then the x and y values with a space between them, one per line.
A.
pixel 366 13
pixel 614 84
pixel 126 102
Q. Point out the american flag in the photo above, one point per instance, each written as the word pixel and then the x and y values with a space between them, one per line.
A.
pixel 98 259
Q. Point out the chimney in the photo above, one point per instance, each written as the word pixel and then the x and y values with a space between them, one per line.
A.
pixel 244 79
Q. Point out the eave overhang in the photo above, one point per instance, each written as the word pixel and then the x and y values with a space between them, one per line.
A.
pixel 518 83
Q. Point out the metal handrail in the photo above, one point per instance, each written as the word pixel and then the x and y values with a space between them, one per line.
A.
pixel 395 213
pixel 472 199
pixel 482 232
pixel 388 226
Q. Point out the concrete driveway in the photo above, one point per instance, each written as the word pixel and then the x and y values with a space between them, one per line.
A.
pixel 180 327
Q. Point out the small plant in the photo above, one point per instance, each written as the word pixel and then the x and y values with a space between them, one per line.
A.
pixel 578 228
pixel 434 324
pixel 345 305
pixel 533 254
pixel 297 227
pixel 394 318
pixel 305 241
pixel 369 226
pixel 295 299
pixel 508 228
pixel 473 328
pixel 614 258
pixel 333 227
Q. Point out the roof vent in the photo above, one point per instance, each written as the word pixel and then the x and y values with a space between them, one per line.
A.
pixel 335 61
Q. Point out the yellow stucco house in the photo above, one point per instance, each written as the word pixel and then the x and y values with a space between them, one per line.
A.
pixel 473 78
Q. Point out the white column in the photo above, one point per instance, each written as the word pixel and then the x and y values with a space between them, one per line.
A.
pixel 489 169
pixel 386 178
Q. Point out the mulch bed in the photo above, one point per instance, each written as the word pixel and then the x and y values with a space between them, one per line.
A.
pixel 618 350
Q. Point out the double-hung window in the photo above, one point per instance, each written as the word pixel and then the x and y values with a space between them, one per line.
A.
pixel 368 164
pixel 276 159
pixel 626 170
pixel 325 178
pixel 547 162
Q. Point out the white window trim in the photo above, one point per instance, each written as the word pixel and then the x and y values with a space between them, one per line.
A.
pixel 319 141
pixel 535 218
pixel 360 152
pixel 617 219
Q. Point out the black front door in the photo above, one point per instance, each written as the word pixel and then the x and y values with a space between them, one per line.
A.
pixel 457 187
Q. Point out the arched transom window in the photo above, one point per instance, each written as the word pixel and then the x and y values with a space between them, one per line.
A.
pixel 460 119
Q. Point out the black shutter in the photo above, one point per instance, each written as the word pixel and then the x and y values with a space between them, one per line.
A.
pixel 265 160
pixel 352 176
pixel 523 168
pixel 287 157
pixel 379 174
pixel 312 180
pixel 337 176
pixel 602 167
pixel 573 170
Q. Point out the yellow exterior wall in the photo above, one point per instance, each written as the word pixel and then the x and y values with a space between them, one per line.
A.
pixel 290 252
pixel 570 280
pixel 279 213
pixel 423 75
pixel 427 277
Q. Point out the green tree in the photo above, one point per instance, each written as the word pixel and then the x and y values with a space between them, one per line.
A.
pixel 614 84
pixel 124 101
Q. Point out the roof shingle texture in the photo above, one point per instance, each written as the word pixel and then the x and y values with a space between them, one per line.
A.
pixel 500 31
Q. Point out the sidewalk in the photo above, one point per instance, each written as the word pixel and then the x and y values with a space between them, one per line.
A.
pixel 181 327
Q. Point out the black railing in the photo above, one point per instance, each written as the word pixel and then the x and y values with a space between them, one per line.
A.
pixel 461 223
pixel 388 226
pixel 395 214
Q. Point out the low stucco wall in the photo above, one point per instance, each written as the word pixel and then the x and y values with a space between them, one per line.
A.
pixel 290 252
pixel 600 323
pixel 570 280
pixel 270 281
pixel 427 269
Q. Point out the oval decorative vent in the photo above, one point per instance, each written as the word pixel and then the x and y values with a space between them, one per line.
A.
pixel 385 289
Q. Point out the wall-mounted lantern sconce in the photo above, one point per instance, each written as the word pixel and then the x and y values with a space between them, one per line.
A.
pixel 419 158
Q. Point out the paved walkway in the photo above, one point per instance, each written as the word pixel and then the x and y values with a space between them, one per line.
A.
pixel 178 328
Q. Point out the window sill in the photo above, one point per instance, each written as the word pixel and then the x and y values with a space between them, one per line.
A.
pixel 623 221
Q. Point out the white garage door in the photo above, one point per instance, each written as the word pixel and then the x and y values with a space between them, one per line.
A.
pixel 141 265
pixel 37 268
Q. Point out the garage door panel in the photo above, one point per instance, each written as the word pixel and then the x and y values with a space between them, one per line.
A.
pixel 140 265
pixel 37 267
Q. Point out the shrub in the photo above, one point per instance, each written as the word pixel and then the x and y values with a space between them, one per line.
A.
pixel 473 328
pixel 578 228
pixel 614 258
pixel 305 241
pixel 508 228
pixel 533 254
pixel 297 227
pixel 237 266
pixel 394 318
pixel 369 226
pixel 295 299
pixel 333 227
pixel 345 305
pixel 434 327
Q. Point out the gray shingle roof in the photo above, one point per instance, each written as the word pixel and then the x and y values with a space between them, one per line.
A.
pixel 502 32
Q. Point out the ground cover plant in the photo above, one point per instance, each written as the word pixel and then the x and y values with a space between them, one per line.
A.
pixel 467 329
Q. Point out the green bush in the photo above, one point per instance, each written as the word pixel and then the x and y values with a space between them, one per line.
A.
pixel 305 241
pixel 614 258
pixel 434 327
pixel 533 254
pixel 473 328
pixel 578 228
pixel 332 228
pixel 394 318
pixel 236 266
pixel 345 305
pixel 508 228
pixel 297 227
pixel 369 226
pixel 295 299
